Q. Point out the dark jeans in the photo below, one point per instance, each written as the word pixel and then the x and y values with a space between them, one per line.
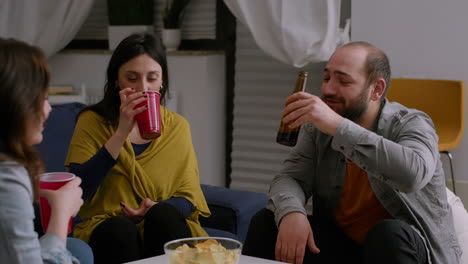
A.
pixel 118 240
pixel 389 241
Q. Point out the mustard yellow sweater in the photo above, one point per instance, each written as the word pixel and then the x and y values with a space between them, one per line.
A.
pixel 167 168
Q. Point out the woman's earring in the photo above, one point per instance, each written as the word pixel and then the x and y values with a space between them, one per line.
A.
pixel 161 87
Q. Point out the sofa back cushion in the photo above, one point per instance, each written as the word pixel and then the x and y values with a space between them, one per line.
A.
pixel 58 131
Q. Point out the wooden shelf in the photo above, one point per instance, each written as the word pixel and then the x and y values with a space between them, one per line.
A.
pixel 69 98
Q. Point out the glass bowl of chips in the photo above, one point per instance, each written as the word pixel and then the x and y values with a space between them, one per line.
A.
pixel 203 250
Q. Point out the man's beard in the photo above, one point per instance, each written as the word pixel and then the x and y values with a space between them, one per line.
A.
pixel 355 110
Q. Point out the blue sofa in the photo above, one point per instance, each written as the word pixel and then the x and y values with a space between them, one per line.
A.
pixel 231 209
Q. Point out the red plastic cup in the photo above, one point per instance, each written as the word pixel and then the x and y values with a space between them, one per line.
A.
pixel 52 181
pixel 149 121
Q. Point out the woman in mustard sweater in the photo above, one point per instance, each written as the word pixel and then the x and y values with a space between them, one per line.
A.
pixel 138 193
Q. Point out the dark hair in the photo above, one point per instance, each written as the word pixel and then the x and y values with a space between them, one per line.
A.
pixel 377 63
pixel 24 79
pixel 129 48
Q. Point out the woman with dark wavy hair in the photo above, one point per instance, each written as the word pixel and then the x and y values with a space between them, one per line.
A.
pixel 24 79
pixel 139 193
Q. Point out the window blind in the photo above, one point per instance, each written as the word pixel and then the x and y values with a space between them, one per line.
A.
pixel 95 26
pixel 199 21
pixel 262 85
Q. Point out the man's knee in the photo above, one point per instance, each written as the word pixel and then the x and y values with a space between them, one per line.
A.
pixel 396 242
pixel 261 237
pixel 387 230
pixel 262 217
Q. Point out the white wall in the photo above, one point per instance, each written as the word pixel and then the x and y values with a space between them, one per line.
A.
pixel 423 39
pixel 77 69
pixel 198 86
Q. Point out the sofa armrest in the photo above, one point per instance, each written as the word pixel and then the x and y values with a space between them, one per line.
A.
pixel 231 210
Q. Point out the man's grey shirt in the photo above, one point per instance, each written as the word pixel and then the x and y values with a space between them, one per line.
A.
pixel 400 155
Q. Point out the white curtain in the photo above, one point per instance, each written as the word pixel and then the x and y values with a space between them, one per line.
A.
pixel 48 24
pixel 295 32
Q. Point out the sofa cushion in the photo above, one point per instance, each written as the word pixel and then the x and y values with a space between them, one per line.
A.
pixel 236 205
pixel 219 233
pixel 58 131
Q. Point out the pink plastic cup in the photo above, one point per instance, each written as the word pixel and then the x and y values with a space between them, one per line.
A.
pixel 52 181
pixel 149 121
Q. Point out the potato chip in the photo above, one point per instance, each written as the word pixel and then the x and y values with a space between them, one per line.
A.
pixel 209 251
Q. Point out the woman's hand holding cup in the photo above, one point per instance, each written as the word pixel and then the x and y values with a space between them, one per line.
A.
pixel 129 99
pixel 66 200
pixel 60 200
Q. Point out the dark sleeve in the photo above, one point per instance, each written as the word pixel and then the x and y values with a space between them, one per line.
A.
pixel 93 171
pixel 181 204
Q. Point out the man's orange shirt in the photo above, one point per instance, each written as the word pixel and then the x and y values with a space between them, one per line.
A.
pixel 359 209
